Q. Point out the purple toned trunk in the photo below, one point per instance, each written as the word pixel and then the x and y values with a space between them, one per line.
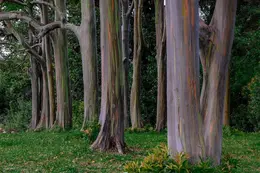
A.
pixel 88 46
pixel 215 60
pixel 136 90
pixel 183 116
pixel 111 135
pixel 64 107
pixel 161 64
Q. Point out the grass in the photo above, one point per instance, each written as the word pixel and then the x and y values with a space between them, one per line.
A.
pixel 69 152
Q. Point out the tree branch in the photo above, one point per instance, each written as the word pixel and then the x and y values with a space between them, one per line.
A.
pixel 48 4
pixel 20 2
pixel 25 44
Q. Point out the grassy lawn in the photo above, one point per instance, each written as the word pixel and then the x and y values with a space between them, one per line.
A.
pixel 69 152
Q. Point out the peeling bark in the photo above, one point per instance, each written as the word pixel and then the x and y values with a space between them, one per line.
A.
pixel 111 135
pixel 184 121
pixel 135 104
pixel 161 64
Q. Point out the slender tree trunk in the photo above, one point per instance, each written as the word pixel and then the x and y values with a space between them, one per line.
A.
pixel 47 50
pixel 125 54
pixel 226 120
pixel 161 64
pixel 136 90
pixel 183 115
pixel 215 60
pixel 35 94
pixel 88 46
pixel 64 107
pixel 45 102
pixel 111 135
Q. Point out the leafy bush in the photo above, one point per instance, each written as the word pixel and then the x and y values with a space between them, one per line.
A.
pixel 254 102
pixel 78 114
pixel 159 161
pixel 19 115
pixel 91 133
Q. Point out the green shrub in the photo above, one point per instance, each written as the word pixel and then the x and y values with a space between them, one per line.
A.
pixel 78 114
pixel 19 115
pixel 91 133
pixel 254 102
pixel 159 161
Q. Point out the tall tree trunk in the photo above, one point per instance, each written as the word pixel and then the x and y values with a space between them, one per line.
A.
pixel 47 50
pixel 136 89
pixel 125 54
pixel 226 120
pixel 161 64
pixel 183 116
pixel 35 94
pixel 88 46
pixel 111 135
pixel 215 61
pixel 64 107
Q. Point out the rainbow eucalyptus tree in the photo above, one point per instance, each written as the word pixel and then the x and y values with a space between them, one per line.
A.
pixel 184 120
pixel 215 57
pixel 111 135
pixel 64 105
pixel 196 126
pixel 135 104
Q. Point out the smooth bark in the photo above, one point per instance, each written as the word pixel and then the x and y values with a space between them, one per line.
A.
pixel 111 135
pixel 184 122
pixel 88 46
pixel 135 104
pixel 64 107
pixel 215 59
pixel 161 64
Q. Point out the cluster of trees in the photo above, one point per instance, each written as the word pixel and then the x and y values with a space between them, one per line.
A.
pixel 194 113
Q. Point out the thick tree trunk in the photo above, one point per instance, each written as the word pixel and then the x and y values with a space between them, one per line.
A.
pixel 183 117
pixel 64 107
pixel 35 94
pixel 136 90
pixel 226 120
pixel 215 60
pixel 111 135
pixel 125 54
pixel 161 64
pixel 88 46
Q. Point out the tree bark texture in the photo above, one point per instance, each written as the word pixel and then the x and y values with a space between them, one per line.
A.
pixel 161 64
pixel 64 107
pixel 111 135
pixel 184 121
pixel 136 90
pixel 215 61
pixel 88 46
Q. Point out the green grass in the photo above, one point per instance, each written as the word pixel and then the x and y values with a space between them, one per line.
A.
pixel 69 152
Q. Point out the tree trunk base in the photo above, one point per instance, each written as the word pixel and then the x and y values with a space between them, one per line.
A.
pixel 104 143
